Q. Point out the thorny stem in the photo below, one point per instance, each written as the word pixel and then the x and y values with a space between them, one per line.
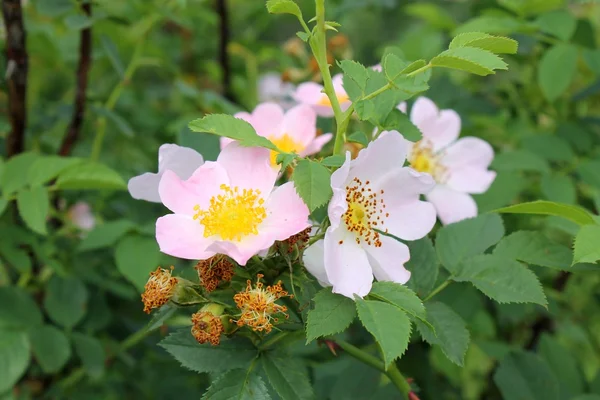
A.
pixel 437 290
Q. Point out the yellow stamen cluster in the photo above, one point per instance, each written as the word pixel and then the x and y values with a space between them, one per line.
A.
pixel 232 214
pixel 214 270
pixel 206 327
pixel 286 144
pixel 424 159
pixel 365 213
pixel 159 289
pixel 324 100
pixel 258 305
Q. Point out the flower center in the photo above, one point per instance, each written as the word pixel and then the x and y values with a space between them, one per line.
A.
pixel 365 212
pixel 324 100
pixel 286 144
pixel 232 214
pixel 258 305
pixel 423 159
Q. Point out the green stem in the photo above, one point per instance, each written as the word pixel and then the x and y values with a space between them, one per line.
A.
pixel 398 380
pixel 437 290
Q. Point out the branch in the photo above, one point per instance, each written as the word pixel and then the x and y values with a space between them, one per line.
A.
pixel 85 50
pixel 224 38
pixel 16 75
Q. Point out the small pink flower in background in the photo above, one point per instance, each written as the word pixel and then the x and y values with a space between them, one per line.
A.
pixel 228 207
pixel 183 161
pixel 272 89
pixel 373 196
pixel 294 130
pixel 312 94
pixel 459 166
pixel 80 214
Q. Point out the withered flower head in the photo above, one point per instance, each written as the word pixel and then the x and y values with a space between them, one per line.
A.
pixel 207 327
pixel 159 289
pixel 258 305
pixel 299 240
pixel 214 270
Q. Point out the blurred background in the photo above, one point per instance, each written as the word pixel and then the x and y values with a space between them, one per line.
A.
pixel 157 64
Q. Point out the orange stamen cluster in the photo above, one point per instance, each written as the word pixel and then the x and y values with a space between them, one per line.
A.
pixel 213 271
pixel 300 240
pixel 159 289
pixel 206 327
pixel 366 212
pixel 258 305
pixel 424 159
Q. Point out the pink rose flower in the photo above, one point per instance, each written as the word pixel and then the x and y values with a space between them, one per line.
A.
pixel 312 94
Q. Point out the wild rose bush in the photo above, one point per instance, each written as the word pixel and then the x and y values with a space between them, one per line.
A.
pixel 346 236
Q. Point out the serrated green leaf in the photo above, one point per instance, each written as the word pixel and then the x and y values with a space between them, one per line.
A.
pixel 160 316
pixel 501 279
pixel 14 357
pixel 469 59
pixel 288 376
pixel 137 256
pixel 466 238
pixel 233 128
pixel 495 44
pixel 15 172
pixel 284 7
pixel 526 376
pixel 105 235
pixel 400 296
pixel 34 206
pixel 520 160
pixel 396 71
pixel 557 69
pixel 450 332
pixel 45 168
pixel 90 175
pixel 233 353
pixel 331 314
pixel 534 248
pixel 66 300
pixel 388 324
pixel 303 36
pixel 237 384
pixel 91 353
pixel 587 245
pixel 423 266
pixel 312 182
pixel 285 159
pixel 559 188
pixel 503 25
pixel 573 213
pixel 336 160
pixel 22 313
pixel 50 347
pixel 358 137
pixel 564 366
pixel 398 121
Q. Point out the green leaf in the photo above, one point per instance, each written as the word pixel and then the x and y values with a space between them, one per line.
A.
pixel 91 353
pixel 284 7
pixel 559 188
pixel 34 205
pixel 520 160
pixel 233 128
pixel 332 314
pixel 358 137
pixel 490 24
pixel 573 213
pixel 469 59
pixel 587 244
pixel 534 248
pixel 423 266
pixel 526 376
pixel 466 238
pixel 559 23
pixel 311 180
pixel 90 175
pixel 495 44
pixel 501 279
pixel 113 54
pixel 564 366
pixel 46 168
pixel 14 358
pixel 504 190
pixel 237 384
pixel 588 172
pixel 66 300
pixel 16 257
pixel 78 21
pixel 233 353
pixel 388 324
pixel 398 121
pixel 396 71
pixel 106 235
pixel 137 256
pixel 285 159
pixel 160 316
pixel 550 147
pixel 50 347
pixel 557 68
pixel 450 331
pixel 400 296
pixel 15 172
pixel 22 313
pixel 336 160
pixel 288 376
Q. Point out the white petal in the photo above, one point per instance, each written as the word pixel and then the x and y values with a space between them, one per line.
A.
pixel 468 151
pixel 410 221
pixel 452 206
pixel 387 152
pixel 470 179
pixel 181 160
pixel 389 259
pixel 440 127
pixel 145 187
pixel 314 261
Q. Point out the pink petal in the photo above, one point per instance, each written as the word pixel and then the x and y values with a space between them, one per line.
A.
pixel 182 196
pixel 439 127
pixel 389 259
pixel 181 160
pixel 325 111
pixel 468 151
pixel 385 153
pixel 377 68
pixel 316 145
pixel 402 107
pixel 287 214
pixel 309 93
pixel 338 84
pixel 410 221
pixel 346 263
pixel 224 141
pixel 314 261
pixel 300 123
pixel 452 206
pixel 267 119
pixel 145 187
pixel 248 167
pixel 403 186
pixel 242 251
pixel 181 236
pixel 470 179
pixel 338 205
